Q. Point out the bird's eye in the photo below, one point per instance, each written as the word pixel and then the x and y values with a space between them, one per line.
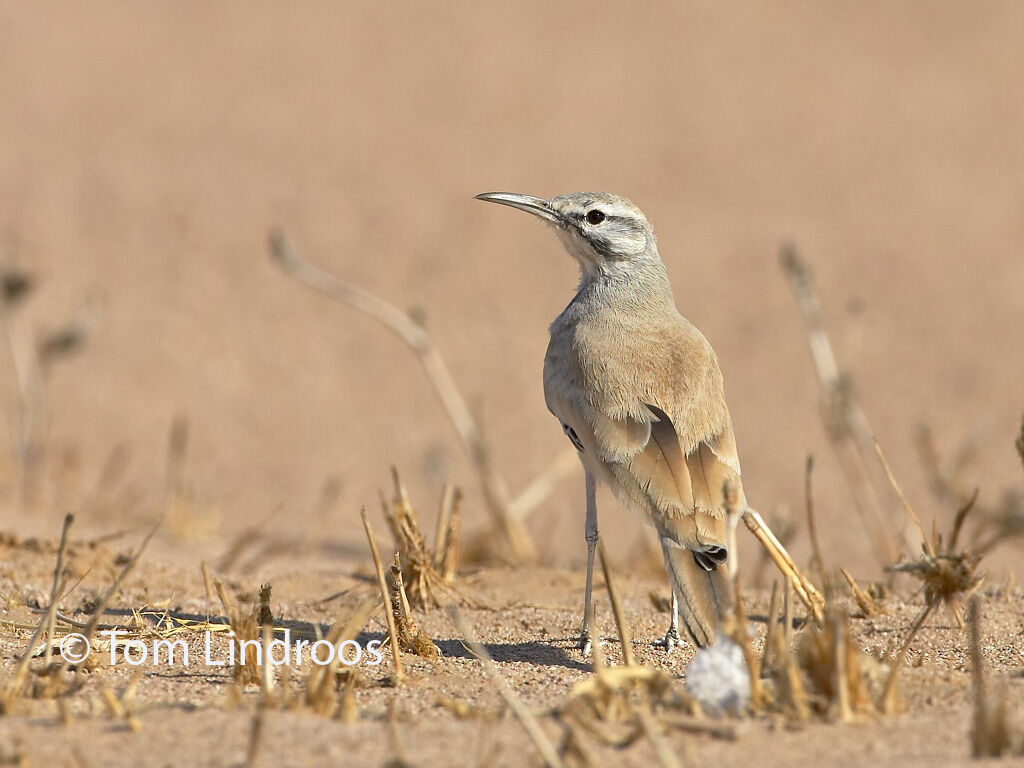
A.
pixel 595 216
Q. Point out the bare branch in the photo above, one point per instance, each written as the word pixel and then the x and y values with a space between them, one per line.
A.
pixel 847 425
pixel 416 337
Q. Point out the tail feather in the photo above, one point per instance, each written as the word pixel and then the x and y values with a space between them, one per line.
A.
pixel 703 595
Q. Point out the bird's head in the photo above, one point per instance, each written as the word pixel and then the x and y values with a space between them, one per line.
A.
pixel 605 233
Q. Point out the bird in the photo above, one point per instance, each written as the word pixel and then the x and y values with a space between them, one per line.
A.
pixel 639 392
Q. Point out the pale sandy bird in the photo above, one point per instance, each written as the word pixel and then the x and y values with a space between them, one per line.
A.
pixel 638 390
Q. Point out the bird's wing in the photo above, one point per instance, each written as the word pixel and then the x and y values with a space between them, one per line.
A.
pixel 651 419
pixel 643 460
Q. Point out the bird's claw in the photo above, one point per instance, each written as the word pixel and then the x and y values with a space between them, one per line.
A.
pixel 670 641
pixel 586 646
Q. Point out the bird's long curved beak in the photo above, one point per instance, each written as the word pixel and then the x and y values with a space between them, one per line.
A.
pixel 538 206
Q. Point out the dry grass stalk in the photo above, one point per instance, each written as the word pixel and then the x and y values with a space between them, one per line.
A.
pixel 266 668
pixel 787 689
pixel 89 630
pixel 245 638
pixel 603 704
pixel 652 729
pixel 839 674
pixel 500 504
pixel 571 748
pixel 785 531
pixel 252 753
pixel 620 617
pixel 772 631
pixel 207 581
pixel 426 573
pixel 890 700
pixel 808 593
pixel 817 561
pixel 863 599
pixel 899 492
pixel 992 735
pixel 741 636
pixel 122 707
pixel 348 712
pixel 321 682
pixel 525 717
pixel 850 432
pixel 401 758
pixel 410 637
pixel 396 654
pixel 46 627
pixel 446 538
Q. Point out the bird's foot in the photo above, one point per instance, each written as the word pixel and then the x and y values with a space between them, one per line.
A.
pixel 585 645
pixel 670 641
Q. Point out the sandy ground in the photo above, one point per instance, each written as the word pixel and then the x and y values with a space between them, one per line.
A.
pixel 191 714
pixel 146 149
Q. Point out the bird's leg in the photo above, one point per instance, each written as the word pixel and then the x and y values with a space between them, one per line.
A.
pixel 591 535
pixel 671 639
pixel 732 562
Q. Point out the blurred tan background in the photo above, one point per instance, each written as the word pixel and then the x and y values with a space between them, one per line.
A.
pixel 145 150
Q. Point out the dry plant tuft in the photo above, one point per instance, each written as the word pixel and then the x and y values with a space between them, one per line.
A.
pixel 245 628
pixel 123 707
pixel 843 681
pixel 410 637
pixel 49 680
pixel 426 573
pixel 784 689
pixel 948 576
pixel 323 680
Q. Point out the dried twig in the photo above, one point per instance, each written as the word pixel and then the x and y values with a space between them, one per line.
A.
pixel 101 606
pixel 396 654
pixel 46 624
pixel 862 598
pixel 848 428
pixel 903 499
pixel 321 681
pixel 741 634
pixel 817 562
pixel 991 733
pixel 529 722
pixel 410 637
pixel 426 572
pixel 889 703
pixel 417 338
pixel 809 594
pixel 620 618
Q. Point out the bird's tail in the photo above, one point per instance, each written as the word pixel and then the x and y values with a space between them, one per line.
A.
pixel 704 596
